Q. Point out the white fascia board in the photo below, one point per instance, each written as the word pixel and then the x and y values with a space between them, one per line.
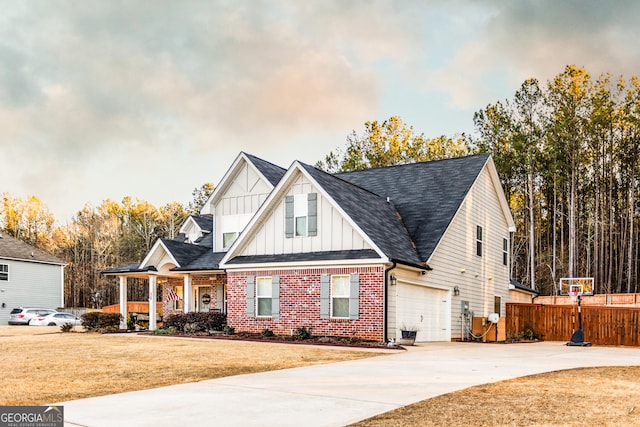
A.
pixel 304 264
pixel 275 194
pixel 504 204
pixel 184 224
pixel 156 246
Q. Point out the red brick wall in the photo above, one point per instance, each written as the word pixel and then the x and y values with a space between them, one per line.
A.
pixel 300 303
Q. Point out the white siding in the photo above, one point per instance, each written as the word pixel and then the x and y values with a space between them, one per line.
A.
pixel 334 232
pixel 245 192
pixel 455 262
pixel 30 284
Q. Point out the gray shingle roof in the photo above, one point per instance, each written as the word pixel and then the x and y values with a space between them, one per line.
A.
pixel 207 261
pixel 270 171
pixel 184 253
pixel 372 213
pixel 205 222
pixel 426 195
pixel 12 248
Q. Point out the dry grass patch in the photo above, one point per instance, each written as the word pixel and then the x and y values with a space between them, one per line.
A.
pixel 589 396
pixel 42 365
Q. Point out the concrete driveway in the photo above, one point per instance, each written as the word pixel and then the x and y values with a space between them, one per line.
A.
pixel 339 393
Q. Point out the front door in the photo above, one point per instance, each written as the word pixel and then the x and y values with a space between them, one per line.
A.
pixel 202 298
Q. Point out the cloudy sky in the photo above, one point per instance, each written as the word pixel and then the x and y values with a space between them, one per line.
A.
pixel 151 99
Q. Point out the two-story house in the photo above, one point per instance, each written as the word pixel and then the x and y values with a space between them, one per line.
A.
pixel 359 254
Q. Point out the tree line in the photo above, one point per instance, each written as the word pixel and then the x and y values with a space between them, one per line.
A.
pixel 566 151
pixel 97 238
pixel 567 154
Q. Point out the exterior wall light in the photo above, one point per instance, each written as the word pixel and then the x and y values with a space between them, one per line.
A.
pixel 456 290
pixel 393 280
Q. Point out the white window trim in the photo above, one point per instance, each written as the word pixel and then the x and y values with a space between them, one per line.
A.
pixel 332 296
pixel 479 240
pixel 300 210
pixel 7 272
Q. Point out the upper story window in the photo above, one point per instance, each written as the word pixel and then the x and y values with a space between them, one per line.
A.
pixel 231 226
pixel 505 251
pixel 4 272
pixel 301 217
pixel 479 240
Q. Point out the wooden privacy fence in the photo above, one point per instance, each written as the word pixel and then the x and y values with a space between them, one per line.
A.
pixel 601 325
pixel 133 307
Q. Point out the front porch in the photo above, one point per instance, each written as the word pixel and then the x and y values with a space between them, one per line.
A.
pixel 175 293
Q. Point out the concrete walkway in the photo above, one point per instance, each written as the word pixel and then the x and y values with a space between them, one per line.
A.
pixel 339 393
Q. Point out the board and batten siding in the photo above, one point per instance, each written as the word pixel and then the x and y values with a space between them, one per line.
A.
pixel 30 284
pixel 334 231
pixel 243 197
pixel 455 263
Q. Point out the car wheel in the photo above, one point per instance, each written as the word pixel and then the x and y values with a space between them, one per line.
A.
pixel 51 324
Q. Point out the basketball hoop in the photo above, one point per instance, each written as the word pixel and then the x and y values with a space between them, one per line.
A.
pixel 573 293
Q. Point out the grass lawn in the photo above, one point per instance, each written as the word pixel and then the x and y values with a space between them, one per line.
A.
pixel 42 365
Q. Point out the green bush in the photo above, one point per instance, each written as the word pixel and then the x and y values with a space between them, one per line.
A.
pixel 302 333
pixel 196 322
pixel 97 320
pixel 67 327
pixel 266 332
pixel 229 330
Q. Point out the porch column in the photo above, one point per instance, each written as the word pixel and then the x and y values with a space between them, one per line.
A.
pixel 123 302
pixel 186 298
pixel 152 302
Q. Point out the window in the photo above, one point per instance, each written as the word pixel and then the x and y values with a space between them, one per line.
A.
pixel 497 304
pixel 4 272
pixel 340 296
pixel 479 240
pixel 505 251
pixel 228 239
pixel 301 215
pixel 340 291
pixel 263 296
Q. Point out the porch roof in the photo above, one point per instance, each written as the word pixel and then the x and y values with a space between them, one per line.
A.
pixel 307 256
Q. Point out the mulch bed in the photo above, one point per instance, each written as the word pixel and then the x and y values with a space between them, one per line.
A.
pixel 246 336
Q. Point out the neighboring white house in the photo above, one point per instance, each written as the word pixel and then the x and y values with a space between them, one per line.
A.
pixel 29 277
pixel 360 254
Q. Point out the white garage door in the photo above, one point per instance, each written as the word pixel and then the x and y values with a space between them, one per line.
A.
pixel 428 309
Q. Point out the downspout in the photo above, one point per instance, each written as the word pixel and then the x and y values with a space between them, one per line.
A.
pixel 386 300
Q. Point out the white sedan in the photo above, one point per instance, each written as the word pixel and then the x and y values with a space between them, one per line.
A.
pixel 55 319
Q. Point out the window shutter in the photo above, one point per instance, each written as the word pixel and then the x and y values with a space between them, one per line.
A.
pixel 312 214
pixel 275 297
pixel 251 292
pixel 325 286
pixel 354 297
pixel 288 216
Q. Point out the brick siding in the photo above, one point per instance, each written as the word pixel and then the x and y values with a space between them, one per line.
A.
pixel 300 303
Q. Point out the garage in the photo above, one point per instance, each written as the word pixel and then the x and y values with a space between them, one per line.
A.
pixel 428 309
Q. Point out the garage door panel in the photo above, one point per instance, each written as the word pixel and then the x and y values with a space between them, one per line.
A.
pixel 428 309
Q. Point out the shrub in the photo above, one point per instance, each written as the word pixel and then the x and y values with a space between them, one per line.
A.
pixel 229 330
pixel 266 332
pixel 193 322
pixel 302 333
pixel 97 320
pixel 67 327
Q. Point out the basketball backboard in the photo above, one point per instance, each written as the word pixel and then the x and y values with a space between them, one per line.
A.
pixel 579 285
